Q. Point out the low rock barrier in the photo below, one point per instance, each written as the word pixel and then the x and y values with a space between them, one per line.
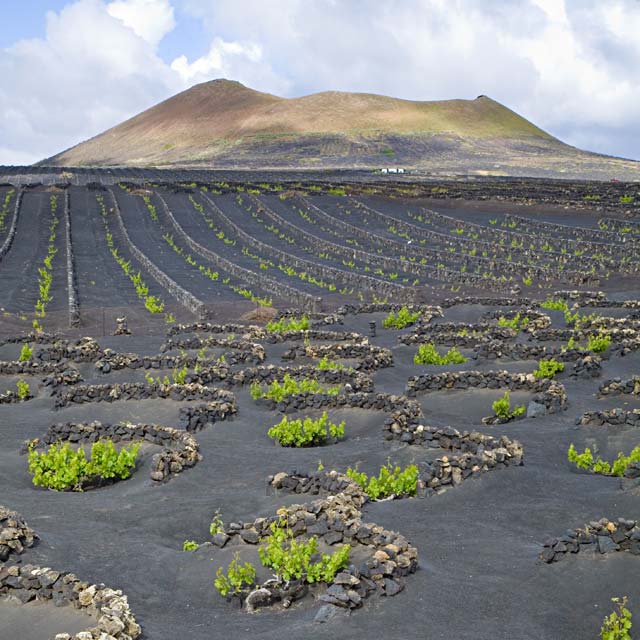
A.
pixel 598 536
pixel 617 386
pixel 180 449
pixel 610 417
pixel 202 416
pixel 109 606
pixel 15 534
pixel 550 396
pixel 139 391
pixel 369 357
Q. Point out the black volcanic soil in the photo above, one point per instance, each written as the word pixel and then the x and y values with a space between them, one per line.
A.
pixel 478 543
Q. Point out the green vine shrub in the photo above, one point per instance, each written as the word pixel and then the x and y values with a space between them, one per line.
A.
pixel 24 391
pixel 502 408
pixel 599 343
pixel 26 353
pixel 289 324
pixel 237 579
pixel 548 368
pixel 63 468
pixel 617 625
pixel 289 386
pixel 427 354
pixel 391 481
pixel 585 460
pixel 518 322
pixel 404 318
pixel 290 558
pixel 307 432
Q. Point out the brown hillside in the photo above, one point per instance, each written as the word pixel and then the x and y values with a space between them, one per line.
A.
pixel 225 124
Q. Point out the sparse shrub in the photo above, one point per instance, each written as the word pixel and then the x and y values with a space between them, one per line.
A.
pixel 586 461
pixel 617 625
pixel 599 343
pixel 518 322
pixel 292 559
pixel 325 364
pixel 427 354
pixel 26 353
pixel 61 467
pixel 179 375
pixel 290 386
pixel 24 391
pixel 404 318
pixel 548 368
pixel 391 480
pixel 190 545
pixel 216 526
pixel 502 408
pixel 289 324
pixel 307 432
pixel 237 579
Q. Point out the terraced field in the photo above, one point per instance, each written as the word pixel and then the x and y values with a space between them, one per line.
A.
pixel 270 347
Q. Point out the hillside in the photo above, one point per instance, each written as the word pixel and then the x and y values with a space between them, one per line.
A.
pixel 225 124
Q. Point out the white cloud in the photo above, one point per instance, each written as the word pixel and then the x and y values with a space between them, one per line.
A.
pixel 242 61
pixel 571 66
pixel 149 19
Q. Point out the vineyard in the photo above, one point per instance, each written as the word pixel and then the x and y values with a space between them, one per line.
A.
pixel 266 405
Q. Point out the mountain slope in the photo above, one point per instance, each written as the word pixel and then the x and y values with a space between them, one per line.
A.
pixel 225 124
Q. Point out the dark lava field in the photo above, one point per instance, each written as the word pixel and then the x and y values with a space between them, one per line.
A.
pixel 155 307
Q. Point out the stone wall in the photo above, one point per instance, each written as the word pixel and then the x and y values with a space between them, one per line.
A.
pixel 184 297
pixel 598 536
pixel 617 386
pixel 201 416
pixel 8 241
pixel 549 394
pixel 337 519
pixel 114 619
pixel 139 391
pixel 360 282
pixel 370 357
pixel 276 288
pixel 256 351
pixel 610 417
pixel 180 449
pixel 15 534
pixel 72 292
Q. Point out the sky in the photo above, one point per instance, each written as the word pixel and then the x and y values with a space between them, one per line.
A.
pixel 69 69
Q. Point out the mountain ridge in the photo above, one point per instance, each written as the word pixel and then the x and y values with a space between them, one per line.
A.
pixel 222 123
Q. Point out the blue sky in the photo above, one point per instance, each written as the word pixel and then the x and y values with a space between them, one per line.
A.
pixel 70 69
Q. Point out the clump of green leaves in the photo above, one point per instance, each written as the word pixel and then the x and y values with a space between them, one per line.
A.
pixel 427 354
pixel 24 391
pixel 289 324
pixel 555 304
pixel 290 386
pixel 502 408
pixel 291 558
pixel 61 467
pixel 599 343
pixel 325 364
pixel 237 578
pixel 190 545
pixel 518 322
pixel 217 525
pixel 391 480
pixel 586 461
pixel 404 318
pixel 548 368
pixel 179 375
pixel 26 353
pixel 307 432
pixel 616 625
